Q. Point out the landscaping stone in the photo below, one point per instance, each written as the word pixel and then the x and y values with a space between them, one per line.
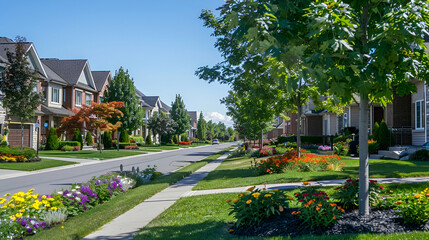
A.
pixel 405 158
pixel 378 221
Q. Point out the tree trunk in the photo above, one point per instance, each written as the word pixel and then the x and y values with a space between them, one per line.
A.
pixel 260 142
pixel 298 126
pixel 363 155
pixel 22 135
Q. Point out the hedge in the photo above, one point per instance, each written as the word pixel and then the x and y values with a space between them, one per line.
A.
pixel 68 143
pixel 16 151
pixel 138 139
pixel 122 145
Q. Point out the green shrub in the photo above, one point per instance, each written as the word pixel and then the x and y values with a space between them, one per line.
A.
pixel 183 137
pixel 149 140
pixel 348 193
pixel 282 150
pixel 67 148
pixel 175 139
pixel 420 155
pixel 341 149
pixel 16 151
pixel 312 139
pixel 88 139
pixel 253 207
pixel 124 136
pixel 385 136
pixel 283 139
pixel 138 139
pixel 375 131
pixel 68 143
pixel 316 211
pixel 52 141
pixel 373 147
pixel 3 143
pixel 414 208
pixel 78 136
pixel 107 140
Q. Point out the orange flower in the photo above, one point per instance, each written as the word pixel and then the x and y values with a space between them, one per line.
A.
pixel 268 170
pixel 251 188
pixel 293 213
pixel 298 212
pixel 231 230
pixel 317 208
pixel 334 217
pixel 398 202
pixel 333 204
pixel 305 183
pixel 235 201
pixel 229 200
pixel 319 205
pixel 249 201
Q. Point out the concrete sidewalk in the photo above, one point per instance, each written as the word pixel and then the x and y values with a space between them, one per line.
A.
pixel 129 223
pixel 322 183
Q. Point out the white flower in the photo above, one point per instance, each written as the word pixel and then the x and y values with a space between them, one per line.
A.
pixel 77 187
pixel 78 192
pixel 69 194
pixel 32 222
pixel 77 198
pixel 73 190
pixel 60 192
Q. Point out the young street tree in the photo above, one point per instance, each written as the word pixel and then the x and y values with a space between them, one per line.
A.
pixel 162 125
pixel 179 114
pixel 201 127
pixel 18 85
pixel 121 89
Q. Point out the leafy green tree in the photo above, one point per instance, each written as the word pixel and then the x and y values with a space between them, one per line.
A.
pixel 375 133
pixel 88 139
pixel 122 89
pixel 371 49
pixel 77 136
pixel 162 125
pixel 179 114
pixel 231 133
pixel 210 130
pixel 201 127
pixel 52 141
pixel 17 85
pixel 385 136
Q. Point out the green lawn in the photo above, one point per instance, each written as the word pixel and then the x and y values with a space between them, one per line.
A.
pixel 206 217
pixel 89 154
pixel 32 166
pixel 236 172
pixel 91 220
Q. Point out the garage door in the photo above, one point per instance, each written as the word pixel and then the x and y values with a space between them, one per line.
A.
pixel 15 135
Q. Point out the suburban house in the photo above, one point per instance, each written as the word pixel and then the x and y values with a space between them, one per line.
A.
pixel 11 122
pixel 192 132
pixel 102 80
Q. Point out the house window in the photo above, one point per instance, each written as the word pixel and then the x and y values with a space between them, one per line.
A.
pixel 345 120
pixel 78 98
pixel 64 95
pixel 55 95
pixel 88 98
pixel 419 114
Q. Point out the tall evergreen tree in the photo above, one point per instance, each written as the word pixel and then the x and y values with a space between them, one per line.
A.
pixel 179 114
pixel 122 89
pixel 201 127
pixel 17 83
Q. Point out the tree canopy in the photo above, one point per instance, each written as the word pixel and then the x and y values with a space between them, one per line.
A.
pixel 179 114
pixel 201 127
pixel 122 89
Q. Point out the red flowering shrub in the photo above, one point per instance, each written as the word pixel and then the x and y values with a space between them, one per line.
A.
pixel 316 210
pixel 348 193
pixel 184 143
pixel 131 147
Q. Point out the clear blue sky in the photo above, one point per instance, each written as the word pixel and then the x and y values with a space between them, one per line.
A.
pixel 161 43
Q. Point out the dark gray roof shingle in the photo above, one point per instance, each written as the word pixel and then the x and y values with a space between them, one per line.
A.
pixel 150 100
pixel 52 76
pixel 100 78
pixel 69 70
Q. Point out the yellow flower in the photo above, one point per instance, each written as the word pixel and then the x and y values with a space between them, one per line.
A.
pixel 249 201
pixel 55 208
pixel 44 197
pixel 417 195
pixel 305 183
pixel 235 201
pixel 267 195
pixel 289 198
pixel 2 200
pixel 256 194
pixel 6 195
pixel 35 206
pixel 231 230
pixel 240 195
pixel 62 227
pixel 13 218
pixel 18 215
pixel 251 189
pixel 276 190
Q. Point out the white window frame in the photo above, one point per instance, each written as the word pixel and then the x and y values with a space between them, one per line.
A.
pixel 52 95
pixel 88 94
pixel 420 107
pixel 75 98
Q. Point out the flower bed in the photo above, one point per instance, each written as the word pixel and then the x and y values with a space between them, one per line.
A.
pixel 26 213
pixel 320 214
pixel 307 162
pixel 184 143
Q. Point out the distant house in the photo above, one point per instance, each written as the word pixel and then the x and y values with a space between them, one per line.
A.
pixel 102 80
pixel 192 132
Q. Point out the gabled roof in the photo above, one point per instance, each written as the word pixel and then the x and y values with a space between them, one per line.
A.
pixel 70 71
pixel 100 78
pixel 193 115
pixel 139 94
pixel 165 107
pixel 6 40
pixel 52 76
pixel 151 100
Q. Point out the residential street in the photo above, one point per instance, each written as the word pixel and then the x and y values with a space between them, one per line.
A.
pixel 47 182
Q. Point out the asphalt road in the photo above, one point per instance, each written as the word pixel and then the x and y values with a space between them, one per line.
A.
pixel 48 182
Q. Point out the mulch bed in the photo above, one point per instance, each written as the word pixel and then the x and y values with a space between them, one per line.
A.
pixel 379 221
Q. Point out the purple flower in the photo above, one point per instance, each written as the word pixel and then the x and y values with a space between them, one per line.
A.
pixel 36 226
pixel 23 222
pixel 43 224
pixel 29 230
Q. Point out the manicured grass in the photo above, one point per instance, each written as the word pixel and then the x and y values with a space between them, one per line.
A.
pixel 32 166
pixel 206 217
pixel 91 220
pixel 89 154
pixel 236 172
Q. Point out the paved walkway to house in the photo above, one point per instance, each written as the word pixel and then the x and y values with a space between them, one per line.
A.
pixel 125 226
